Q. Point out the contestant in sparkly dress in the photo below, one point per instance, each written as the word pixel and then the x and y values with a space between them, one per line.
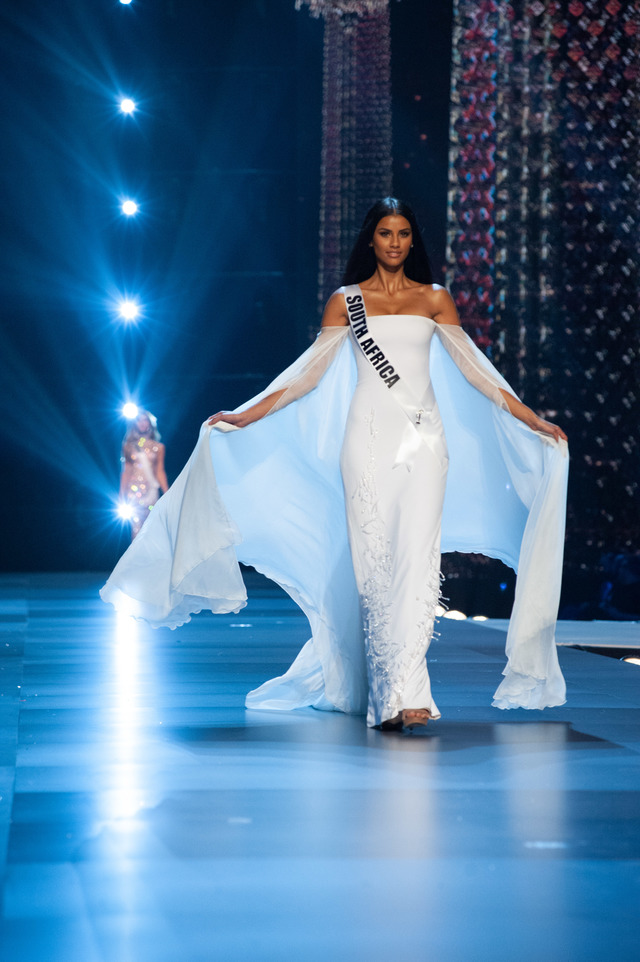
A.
pixel 143 475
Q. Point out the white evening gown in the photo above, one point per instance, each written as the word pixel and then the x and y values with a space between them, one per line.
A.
pixel 272 495
pixel 394 514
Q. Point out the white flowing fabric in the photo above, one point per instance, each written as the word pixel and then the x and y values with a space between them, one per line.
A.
pixel 276 501
pixel 506 498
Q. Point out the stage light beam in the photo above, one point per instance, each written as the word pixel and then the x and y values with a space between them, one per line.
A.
pixel 129 207
pixel 130 410
pixel 125 512
pixel 128 310
pixel 127 105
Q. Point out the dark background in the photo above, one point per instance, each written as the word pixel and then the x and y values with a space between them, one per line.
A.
pixel 223 156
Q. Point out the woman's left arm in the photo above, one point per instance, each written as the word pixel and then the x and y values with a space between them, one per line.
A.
pixel 465 354
pixel 161 476
pixel 531 419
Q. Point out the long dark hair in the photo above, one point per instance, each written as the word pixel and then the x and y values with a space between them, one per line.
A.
pixel 362 260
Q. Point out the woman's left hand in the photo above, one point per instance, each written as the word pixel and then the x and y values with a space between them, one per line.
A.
pixel 546 427
pixel 531 419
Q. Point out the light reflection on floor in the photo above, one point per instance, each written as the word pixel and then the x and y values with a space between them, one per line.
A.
pixel 147 816
pixel 127 797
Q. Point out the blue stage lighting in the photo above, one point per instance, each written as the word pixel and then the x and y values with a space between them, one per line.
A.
pixel 130 410
pixel 126 2
pixel 125 511
pixel 128 310
pixel 129 207
pixel 127 105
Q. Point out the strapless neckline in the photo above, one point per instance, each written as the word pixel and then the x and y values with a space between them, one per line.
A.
pixel 422 317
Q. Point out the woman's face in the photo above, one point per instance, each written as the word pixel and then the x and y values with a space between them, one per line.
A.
pixel 143 424
pixel 392 240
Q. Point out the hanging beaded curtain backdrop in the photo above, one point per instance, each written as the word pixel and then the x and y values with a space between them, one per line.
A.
pixel 320 8
pixel 356 124
pixel 544 239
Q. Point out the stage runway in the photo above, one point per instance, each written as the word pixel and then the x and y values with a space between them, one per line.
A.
pixel 147 817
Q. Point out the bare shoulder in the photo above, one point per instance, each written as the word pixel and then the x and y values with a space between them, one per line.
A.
pixel 442 308
pixel 335 311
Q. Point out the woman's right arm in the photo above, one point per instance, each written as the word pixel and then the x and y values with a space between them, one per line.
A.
pixel 335 315
pixel 125 470
pixel 255 413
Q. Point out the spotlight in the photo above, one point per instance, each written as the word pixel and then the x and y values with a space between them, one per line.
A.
pixel 126 2
pixel 127 105
pixel 479 618
pixel 130 410
pixel 455 615
pixel 125 511
pixel 632 661
pixel 128 310
pixel 129 207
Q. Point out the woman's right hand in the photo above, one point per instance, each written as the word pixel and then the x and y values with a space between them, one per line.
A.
pixel 239 420
pixel 242 418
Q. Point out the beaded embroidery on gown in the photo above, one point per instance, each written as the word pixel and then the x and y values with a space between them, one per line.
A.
pixel 272 495
pixel 140 487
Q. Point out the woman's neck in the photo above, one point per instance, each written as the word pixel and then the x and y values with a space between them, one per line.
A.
pixel 388 282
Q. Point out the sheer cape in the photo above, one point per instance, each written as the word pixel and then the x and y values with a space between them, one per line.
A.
pixel 270 495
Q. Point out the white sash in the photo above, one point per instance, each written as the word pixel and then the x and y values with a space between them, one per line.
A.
pixel 421 414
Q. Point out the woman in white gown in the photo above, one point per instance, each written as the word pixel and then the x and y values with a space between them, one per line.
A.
pixel 394 461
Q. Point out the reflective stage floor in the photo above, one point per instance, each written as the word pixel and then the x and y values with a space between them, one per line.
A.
pixel 144 815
